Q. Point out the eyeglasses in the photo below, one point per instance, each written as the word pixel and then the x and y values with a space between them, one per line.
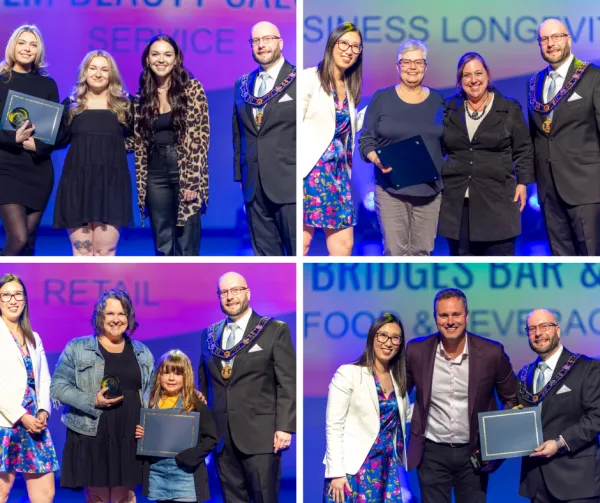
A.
pixel 235 291
pixel 408 63
pixel 267 39
pixel 344 46
pixel 7 296
pixel 556 37
pixel 544 327
pixel 382 338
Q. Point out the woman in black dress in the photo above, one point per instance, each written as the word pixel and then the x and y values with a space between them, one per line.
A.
pixel 100 450
pixel 171 149
pixel 26 173
pixel 94 193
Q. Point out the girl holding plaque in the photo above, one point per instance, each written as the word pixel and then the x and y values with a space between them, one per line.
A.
pixel 26 172
pixel 171 149
pixel 184 477
pixel 367 400
pixel 25 399
pixel 100 449
pixel 93 200
pixel 329 121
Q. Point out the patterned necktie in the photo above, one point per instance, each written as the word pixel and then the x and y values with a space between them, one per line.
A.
pixel 262 88
pixel 552 90
pixel 541 380
pixel 231 340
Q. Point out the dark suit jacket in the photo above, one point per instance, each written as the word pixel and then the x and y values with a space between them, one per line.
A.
pixel 260 396
pixel 489 370
pixel 572 149
pixel 193 458
pixel 498 158
pixel 576 416
pixel 268 152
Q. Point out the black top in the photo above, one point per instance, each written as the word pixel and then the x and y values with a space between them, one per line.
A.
pixel 26 178
pixel 163 130
pixel 95 185
pixel 389 120
pixel 123 366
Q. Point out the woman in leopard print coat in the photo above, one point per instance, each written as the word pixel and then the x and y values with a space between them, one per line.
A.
pixel 171 132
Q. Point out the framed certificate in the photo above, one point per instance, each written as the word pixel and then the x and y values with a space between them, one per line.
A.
pixel 410 161
pixel 167 432
pixel 510 433
pixel 44 115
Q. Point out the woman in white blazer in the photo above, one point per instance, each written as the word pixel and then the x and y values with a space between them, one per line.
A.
pixel 24 399
pixel 330 94
pixel 367 412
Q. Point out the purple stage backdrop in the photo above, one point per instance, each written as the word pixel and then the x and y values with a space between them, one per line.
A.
pixel 173 304
pixel 213 35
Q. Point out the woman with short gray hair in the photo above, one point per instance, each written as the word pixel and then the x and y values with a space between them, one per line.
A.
pixel 408 216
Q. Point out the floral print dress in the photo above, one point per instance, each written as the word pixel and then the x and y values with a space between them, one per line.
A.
pixel 327 192
pixel 377 480
pixel 22 452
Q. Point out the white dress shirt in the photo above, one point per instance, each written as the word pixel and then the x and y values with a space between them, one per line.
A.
pixel 242 324
pixel 273 72
pixel 549 372
pixel 560 80
pixel 448 420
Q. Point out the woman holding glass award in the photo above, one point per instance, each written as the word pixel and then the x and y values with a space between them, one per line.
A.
pixel 25 399
pixel 329 122
pixel 93 200
pixel 100 449
pixel 26 172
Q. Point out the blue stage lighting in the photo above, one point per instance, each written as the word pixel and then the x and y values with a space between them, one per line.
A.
pixel 369 201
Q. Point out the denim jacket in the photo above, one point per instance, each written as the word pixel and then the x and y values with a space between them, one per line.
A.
pixel 78 376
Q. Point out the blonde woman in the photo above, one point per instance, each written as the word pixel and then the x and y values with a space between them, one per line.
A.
pixel 26 173
pixel 94 193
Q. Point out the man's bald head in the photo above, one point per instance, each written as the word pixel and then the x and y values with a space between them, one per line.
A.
pixel 264 28
pixel 544 332
pixel 234 295
pixel 231 280
pixel 555 42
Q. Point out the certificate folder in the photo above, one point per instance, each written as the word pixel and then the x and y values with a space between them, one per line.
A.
pixel 167 432
pixel 510 433
pixel 44 115
pixel 410 161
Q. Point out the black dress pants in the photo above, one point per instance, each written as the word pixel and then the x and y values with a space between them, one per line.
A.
pixel 444 468
pixel 465 247
pixel 248 478
pixel 572 230
pixel 162 201
pixel 272 226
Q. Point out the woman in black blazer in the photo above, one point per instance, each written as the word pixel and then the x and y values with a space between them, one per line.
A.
pixel 489 163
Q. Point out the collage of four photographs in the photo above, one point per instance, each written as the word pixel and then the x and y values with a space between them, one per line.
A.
pixel 299 133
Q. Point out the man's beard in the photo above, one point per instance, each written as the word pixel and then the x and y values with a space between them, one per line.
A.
pixel 554 342
pixel 276 55
pixel 235 311
pixel 562 56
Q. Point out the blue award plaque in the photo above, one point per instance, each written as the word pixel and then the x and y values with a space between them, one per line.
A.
pixel 510 433
pixel 44 115
pixel 167 432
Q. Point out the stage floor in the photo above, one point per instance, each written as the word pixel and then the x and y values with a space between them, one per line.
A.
pixel 138 242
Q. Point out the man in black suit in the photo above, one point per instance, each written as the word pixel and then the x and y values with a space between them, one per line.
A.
pixel 264 140
pixel 566 467
pixel 248 371
pixel 564 117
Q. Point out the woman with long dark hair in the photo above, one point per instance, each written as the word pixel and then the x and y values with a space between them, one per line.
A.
pixel 171 148
pixel 367 412
pixel 27 447
pixel 93 200
pixel 329 122
pixel 26 172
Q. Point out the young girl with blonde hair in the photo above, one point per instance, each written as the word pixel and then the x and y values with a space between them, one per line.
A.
pixel 94 193
pixel 185 477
